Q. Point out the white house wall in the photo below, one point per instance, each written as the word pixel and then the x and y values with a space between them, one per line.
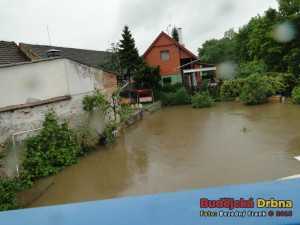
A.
pixel 25 83
pixel 82 78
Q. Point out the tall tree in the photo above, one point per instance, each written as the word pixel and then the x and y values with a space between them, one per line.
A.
pixel 112 62
pixel 128 53
pixel 174 34
pixel 229 33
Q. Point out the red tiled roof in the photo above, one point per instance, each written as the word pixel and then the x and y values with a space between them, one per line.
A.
pixel 172 40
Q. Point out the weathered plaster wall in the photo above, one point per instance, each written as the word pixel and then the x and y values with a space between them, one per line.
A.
pixel 24 83
pixel 32 118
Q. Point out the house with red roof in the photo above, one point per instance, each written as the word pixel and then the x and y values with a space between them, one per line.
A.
pixel 177 63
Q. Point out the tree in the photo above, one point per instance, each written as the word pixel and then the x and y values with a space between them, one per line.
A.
pixel 256 90
pixel 128 53
pixel 147 76
pixel 174 34
pixel 229 34
pixel 112 62
pixel 216 51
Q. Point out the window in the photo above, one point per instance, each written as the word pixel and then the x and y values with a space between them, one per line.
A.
pixel 164 55
pixel 167 80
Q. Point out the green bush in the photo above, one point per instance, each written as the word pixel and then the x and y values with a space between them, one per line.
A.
pixel 291 81
pixel 50 151
pixel 171 87
pixel 201 100
pixel 8 200
pixel 216 92
pixel 232 88
pixel 180 97
pixel 96 100
pixel 277 83
pixel 256 90
pixel 296 95
pixel 248 68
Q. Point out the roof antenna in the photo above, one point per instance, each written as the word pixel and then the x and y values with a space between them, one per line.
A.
pixel 168 29
pixel 48 35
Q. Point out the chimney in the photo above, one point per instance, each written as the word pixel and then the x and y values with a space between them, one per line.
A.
pixel 179 30
pixel 53 53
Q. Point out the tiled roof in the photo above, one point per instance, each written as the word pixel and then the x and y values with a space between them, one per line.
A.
pixel 29 62
pixel 87 57
pixel 172 40
pixel 10 53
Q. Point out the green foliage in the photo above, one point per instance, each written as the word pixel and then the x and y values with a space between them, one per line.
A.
pixel 291 81
pixel 277 83
pixel 296 95
pixel 147 76
pixel 50 151
pixel 248 68
pixel 112 59
pixel 256 46
pixel 256 90
pixel 174 34
pixel 128 53
pixel 96 100
pixel 232 88
pixel 201 100
pixel 203 86
pixel 180 97
pixel 8 187
pixel 216 92
pixel 216 51
pixel 108 134
pixel 171 87
pixel 87 139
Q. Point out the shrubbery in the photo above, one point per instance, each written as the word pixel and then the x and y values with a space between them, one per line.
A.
pixel 296 95
pixel 171 87
pixel 180 97
pixel 53 149
pixel 201 100
pixel 232 88
pixel 277 83
pixel 256 90
pixel 8 187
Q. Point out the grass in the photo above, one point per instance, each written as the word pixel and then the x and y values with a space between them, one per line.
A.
pixel 245 129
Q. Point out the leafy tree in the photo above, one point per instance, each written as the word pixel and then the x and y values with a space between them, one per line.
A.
pixel 229 34
pixel 147 76
pixel 112 62
pixel 256 90
pixel 174 34
pixel 248 68
pixel 128 53
pixel 296 95
pixel 216 51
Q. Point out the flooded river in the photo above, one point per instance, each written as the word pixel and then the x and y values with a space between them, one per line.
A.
pixel 180 148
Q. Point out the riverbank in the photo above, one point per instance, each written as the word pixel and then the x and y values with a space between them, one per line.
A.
pixel 141 113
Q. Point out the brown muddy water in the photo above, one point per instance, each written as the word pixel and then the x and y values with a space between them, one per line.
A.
pixel 180 148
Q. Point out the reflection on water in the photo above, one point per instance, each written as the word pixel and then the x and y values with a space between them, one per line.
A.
pixel 181 148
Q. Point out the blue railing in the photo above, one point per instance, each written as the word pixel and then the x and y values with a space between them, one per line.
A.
pixel 182 207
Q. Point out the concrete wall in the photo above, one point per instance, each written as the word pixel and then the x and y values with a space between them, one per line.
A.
pixel 21 84
pixel 48 79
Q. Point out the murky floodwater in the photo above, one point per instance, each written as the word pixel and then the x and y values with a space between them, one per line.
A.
pixel 181 148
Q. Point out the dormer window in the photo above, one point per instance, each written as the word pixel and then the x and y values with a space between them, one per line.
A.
pixel 164 55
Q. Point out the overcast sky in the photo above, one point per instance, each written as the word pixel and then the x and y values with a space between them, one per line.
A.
pixel 93 24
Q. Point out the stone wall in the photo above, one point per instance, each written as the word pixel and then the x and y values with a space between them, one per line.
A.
pixel 140 113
